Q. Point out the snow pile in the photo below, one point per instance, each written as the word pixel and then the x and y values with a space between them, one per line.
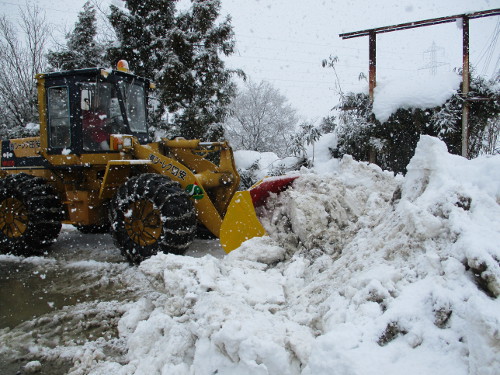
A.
pixel 413 92
pixel 363 273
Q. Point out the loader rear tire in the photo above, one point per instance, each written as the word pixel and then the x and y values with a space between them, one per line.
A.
pixel 150 214
pixel 30 214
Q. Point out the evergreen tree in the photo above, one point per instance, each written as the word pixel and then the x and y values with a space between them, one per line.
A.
pixel 82 49
pixel 144 33
pixel 182 54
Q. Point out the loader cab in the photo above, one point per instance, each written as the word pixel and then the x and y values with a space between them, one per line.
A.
pixel 80 109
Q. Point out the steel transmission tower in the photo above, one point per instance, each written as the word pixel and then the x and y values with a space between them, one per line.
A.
pixel 433 63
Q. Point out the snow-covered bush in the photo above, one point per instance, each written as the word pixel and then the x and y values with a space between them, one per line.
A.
pixel 253 166
pixel 387 131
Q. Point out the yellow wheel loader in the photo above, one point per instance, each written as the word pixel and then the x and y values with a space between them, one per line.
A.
pixel 94 166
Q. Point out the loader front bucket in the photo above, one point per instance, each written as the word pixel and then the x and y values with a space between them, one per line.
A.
pixel 241 222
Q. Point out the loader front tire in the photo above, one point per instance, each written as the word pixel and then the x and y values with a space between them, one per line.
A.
pixel 150 214
pixel 30 214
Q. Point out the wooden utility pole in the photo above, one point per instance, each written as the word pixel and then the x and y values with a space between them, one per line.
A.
pixel 372 36
pixel 372 152
pixel 465 87
pixel 372 74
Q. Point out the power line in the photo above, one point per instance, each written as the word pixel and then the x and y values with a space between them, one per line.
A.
pixel 326 45
pixel 489 49
pixel 320 53
pixel 312 62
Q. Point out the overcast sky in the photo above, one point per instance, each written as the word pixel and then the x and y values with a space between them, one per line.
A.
pixel 285 41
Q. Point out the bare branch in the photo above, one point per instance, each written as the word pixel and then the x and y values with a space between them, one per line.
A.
pixel 22 55
pixel 261 120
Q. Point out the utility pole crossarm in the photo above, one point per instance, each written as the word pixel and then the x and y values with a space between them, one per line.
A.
pixel 415 24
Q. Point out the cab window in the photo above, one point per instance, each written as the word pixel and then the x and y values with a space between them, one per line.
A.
pixel 59 117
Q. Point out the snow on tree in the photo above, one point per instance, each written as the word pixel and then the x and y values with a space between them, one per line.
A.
pixel 328 124
pixel 261 120
pixel 20 59
pixel 143 32
pixel 484 117
pixel 181 52
pixel 82 49
pixel 355 125
pixel 391 141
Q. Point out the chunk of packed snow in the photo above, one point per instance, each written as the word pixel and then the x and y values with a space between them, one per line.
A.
pixel 32 367
pixel 30 126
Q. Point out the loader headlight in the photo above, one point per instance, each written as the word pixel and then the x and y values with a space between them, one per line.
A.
pixel 127 142
pixel 120 142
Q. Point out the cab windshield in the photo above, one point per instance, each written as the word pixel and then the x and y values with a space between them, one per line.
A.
pixel 101 115
pixel 134 99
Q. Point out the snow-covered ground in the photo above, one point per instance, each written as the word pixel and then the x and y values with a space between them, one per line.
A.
pixel 363 272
